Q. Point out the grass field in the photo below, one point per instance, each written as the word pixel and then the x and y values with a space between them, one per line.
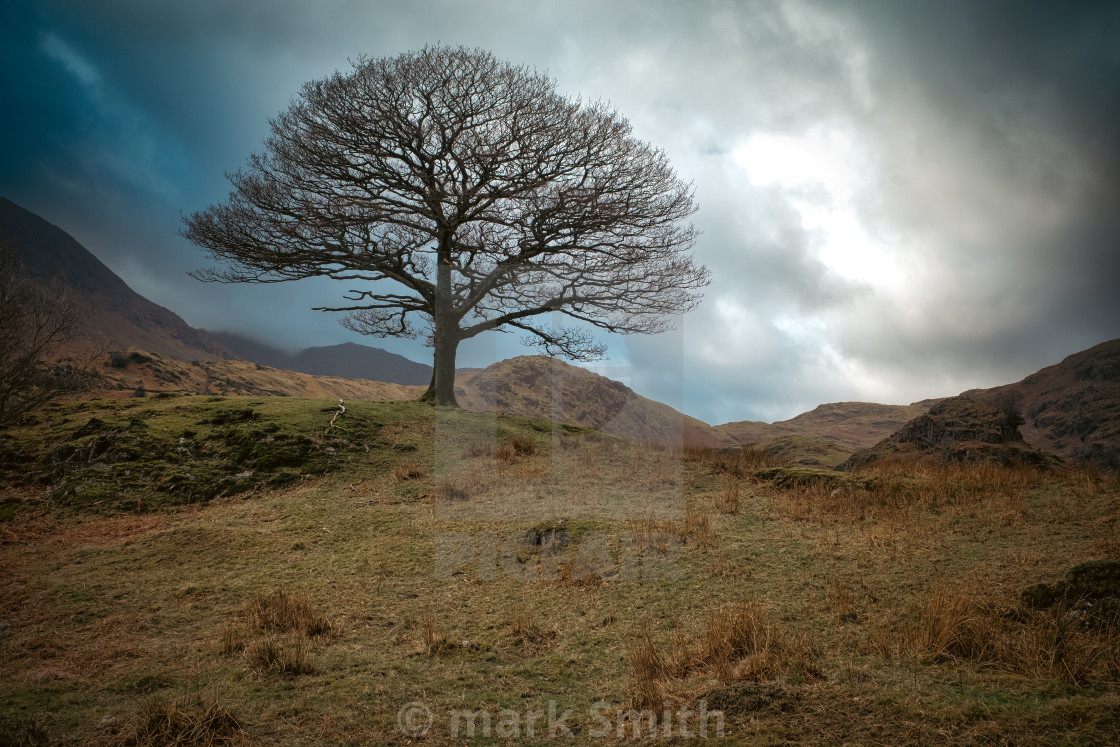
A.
pixel 234 571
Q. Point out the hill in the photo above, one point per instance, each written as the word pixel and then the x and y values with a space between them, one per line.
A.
pixel 541 387
pixel 1072 408
pixel 530 386
pixel 849 425
pixel 117 316
pixel 347 360
pixel 957 430
pixel 139 373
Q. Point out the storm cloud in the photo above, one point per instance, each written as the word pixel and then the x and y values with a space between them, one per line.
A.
pixel 898 200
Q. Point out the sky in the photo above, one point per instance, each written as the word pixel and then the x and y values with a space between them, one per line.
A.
pixel 897 201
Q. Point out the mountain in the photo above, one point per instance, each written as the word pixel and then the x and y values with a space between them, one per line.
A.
pixel 849 425
pixel 542 387
pixel 348 360
pixel 143 373
pixel 957 430
pixel 117 316
pixel 1072 408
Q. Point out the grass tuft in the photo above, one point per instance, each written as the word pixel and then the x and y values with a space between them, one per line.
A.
pixel 406 472
pixel 528 632
pixel 740 642
pixel 1046 644
pixel 433 640
pixel 283 612
pixel 29 732
pixel 450 490
pixel 274 655
pixel 186 720
pixel 728 501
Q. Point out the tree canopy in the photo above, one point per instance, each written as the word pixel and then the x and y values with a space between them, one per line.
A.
pixel 489 199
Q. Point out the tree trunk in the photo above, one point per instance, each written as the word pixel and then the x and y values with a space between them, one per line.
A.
pixel 446 334
pixel 442 389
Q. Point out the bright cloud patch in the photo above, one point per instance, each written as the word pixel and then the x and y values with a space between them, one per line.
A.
pixel 823 172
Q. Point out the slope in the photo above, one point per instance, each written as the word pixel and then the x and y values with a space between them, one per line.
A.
pixel 347 360
pixel 118 317
pixel 957 430
pixel 541 387
pixel 1071 409
pixel 849 425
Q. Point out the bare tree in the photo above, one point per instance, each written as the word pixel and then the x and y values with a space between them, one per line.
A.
pixel 491 200
pixel 35 318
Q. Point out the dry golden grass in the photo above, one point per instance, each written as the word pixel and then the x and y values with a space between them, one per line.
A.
pixel 479 450
pixel 528 632
pixel 647 672
pixel 287 655
pixel 233 640
pixel 284 612
pixel 434 641
pixel 1049 644
pixel 895 492
pixel 697 526
pixel 195 720
pixel 736 461
pixel 847 640
pixel 727 502
pixel 450 490
pixel 740 643
pixel 522 445
pixel 407 471
pixel 841 599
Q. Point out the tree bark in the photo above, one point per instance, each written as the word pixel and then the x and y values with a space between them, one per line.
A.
pixel 446 332
pixel 442 389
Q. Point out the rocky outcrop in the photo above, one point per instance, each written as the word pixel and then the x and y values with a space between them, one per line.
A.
pixel 958 430
pixel 1071 409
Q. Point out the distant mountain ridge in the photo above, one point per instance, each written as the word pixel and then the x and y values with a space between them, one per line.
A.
pixel 347 360
pixel 849 425
pixel 118 317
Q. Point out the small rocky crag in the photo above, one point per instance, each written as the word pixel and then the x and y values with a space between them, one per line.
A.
pixel 1090 590
pixel 1071 409
pixel 958 430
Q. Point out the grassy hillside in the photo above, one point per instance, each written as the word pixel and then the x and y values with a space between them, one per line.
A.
pixel 495 564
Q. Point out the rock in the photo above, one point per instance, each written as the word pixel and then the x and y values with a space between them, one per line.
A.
pixel 108 724
pixel 1097 579
pixel 1091 592
pixel 92 426
pixel 962 431
pixel 1041 596
pixel 548 538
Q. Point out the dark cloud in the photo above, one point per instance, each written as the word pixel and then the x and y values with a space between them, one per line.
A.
pixel 899 200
